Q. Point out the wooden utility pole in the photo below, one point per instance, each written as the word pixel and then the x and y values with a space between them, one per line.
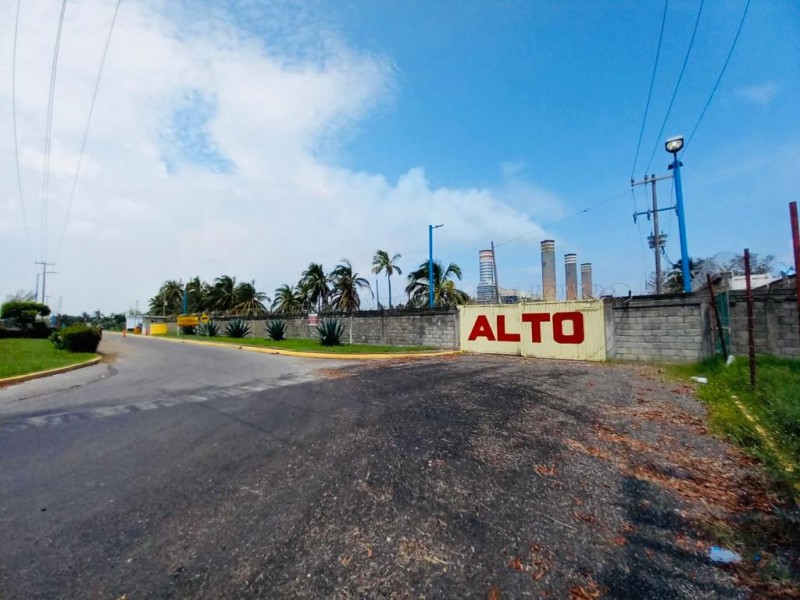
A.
pixel 44 264
pixel 657 240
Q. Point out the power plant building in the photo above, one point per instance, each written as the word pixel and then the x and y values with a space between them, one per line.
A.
pixel 487 289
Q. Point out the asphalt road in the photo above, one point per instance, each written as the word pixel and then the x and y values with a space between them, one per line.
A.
pixel 184 472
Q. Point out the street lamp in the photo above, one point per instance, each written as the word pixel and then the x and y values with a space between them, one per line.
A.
pixel 674 145
pixel 430 263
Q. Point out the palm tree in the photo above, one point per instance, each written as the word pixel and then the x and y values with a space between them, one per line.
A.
pixel 445 292
pixel 198 294
pixel 287 299
pixel 248 300
pixel 169 298
pixel 222 295
pixel 314 284
pixel 346 284
pixel 382 262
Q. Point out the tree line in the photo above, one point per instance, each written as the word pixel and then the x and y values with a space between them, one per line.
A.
pixel 317 290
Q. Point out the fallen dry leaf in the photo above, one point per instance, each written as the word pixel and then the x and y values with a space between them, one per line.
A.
pixel 619 541
pixel 544 470
pixel 590 591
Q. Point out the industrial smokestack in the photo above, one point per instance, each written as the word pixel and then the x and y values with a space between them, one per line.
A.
pixel 571 270
pixel 487 291
pixel 586 280
pixel 548 270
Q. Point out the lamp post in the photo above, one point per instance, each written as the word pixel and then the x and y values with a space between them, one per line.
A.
pixel 430 263
pixel 673 146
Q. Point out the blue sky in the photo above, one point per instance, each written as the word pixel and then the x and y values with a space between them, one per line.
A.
pixel 560 89
pixel 250 138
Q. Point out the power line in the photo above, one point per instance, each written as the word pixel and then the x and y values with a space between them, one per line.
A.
pixel 677 85
pixel 650 93
pixel 86 129
pixel 49 131
pixel 554 223
pixel 14 120
pixel 721 73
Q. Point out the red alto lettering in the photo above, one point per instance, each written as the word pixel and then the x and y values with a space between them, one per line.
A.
pixel 577 336
pixel 536 320
pixel 482 328
pixel 502 334
pixel 575 333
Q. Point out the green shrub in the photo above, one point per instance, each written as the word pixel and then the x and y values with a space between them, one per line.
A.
pixel 39 330
pixel 56 338
pixel 77 338
pixel 188 329
pixel 237 328
pixel 210 329
pixel 24 313
pixel 276 330
pixel 330 332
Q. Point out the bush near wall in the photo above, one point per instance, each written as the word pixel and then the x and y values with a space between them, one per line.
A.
pixel 37 330
pixel 77 338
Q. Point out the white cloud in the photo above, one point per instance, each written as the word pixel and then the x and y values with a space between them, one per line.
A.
pixel 762 93
pixel 281 202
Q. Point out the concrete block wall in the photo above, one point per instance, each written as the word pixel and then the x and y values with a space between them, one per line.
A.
pixel 775 322
pixel 437 328
pixel 663 328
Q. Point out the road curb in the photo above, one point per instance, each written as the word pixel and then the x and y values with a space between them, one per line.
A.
pixel 296 354
pixel 39 374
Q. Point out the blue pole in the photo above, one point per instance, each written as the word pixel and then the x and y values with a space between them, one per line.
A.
pixel 185 301
pixel 687 278
pixel 430 266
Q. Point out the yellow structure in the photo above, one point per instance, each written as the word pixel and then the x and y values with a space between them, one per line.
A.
pixel 158 328
pixel 571 330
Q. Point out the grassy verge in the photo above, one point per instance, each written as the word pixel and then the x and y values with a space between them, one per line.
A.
pixel 299 345
pixel 23 356
pixel 765 421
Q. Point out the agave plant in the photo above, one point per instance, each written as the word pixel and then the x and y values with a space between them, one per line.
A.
pixel 330 332
pixel 276 330
pixel 210 329
pixel 237 328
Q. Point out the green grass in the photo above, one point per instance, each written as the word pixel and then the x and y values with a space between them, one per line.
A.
pixel 300 345
pixel 775 404
pixel 23 356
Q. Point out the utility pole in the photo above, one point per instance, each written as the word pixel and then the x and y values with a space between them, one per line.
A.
pixel 657 240
pixel 45 264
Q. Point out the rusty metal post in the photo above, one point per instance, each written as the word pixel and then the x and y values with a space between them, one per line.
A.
pixel 751 341
pixel 796 244
pixel 716 317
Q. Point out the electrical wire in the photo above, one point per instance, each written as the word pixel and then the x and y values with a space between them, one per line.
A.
pixel 721 73
pixel 16 141
pixel 570 216
pixel 650 92
pixel 86 129
pixel 677 85
pixel 49 132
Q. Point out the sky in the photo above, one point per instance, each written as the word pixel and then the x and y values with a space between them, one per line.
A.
pixel 251 138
